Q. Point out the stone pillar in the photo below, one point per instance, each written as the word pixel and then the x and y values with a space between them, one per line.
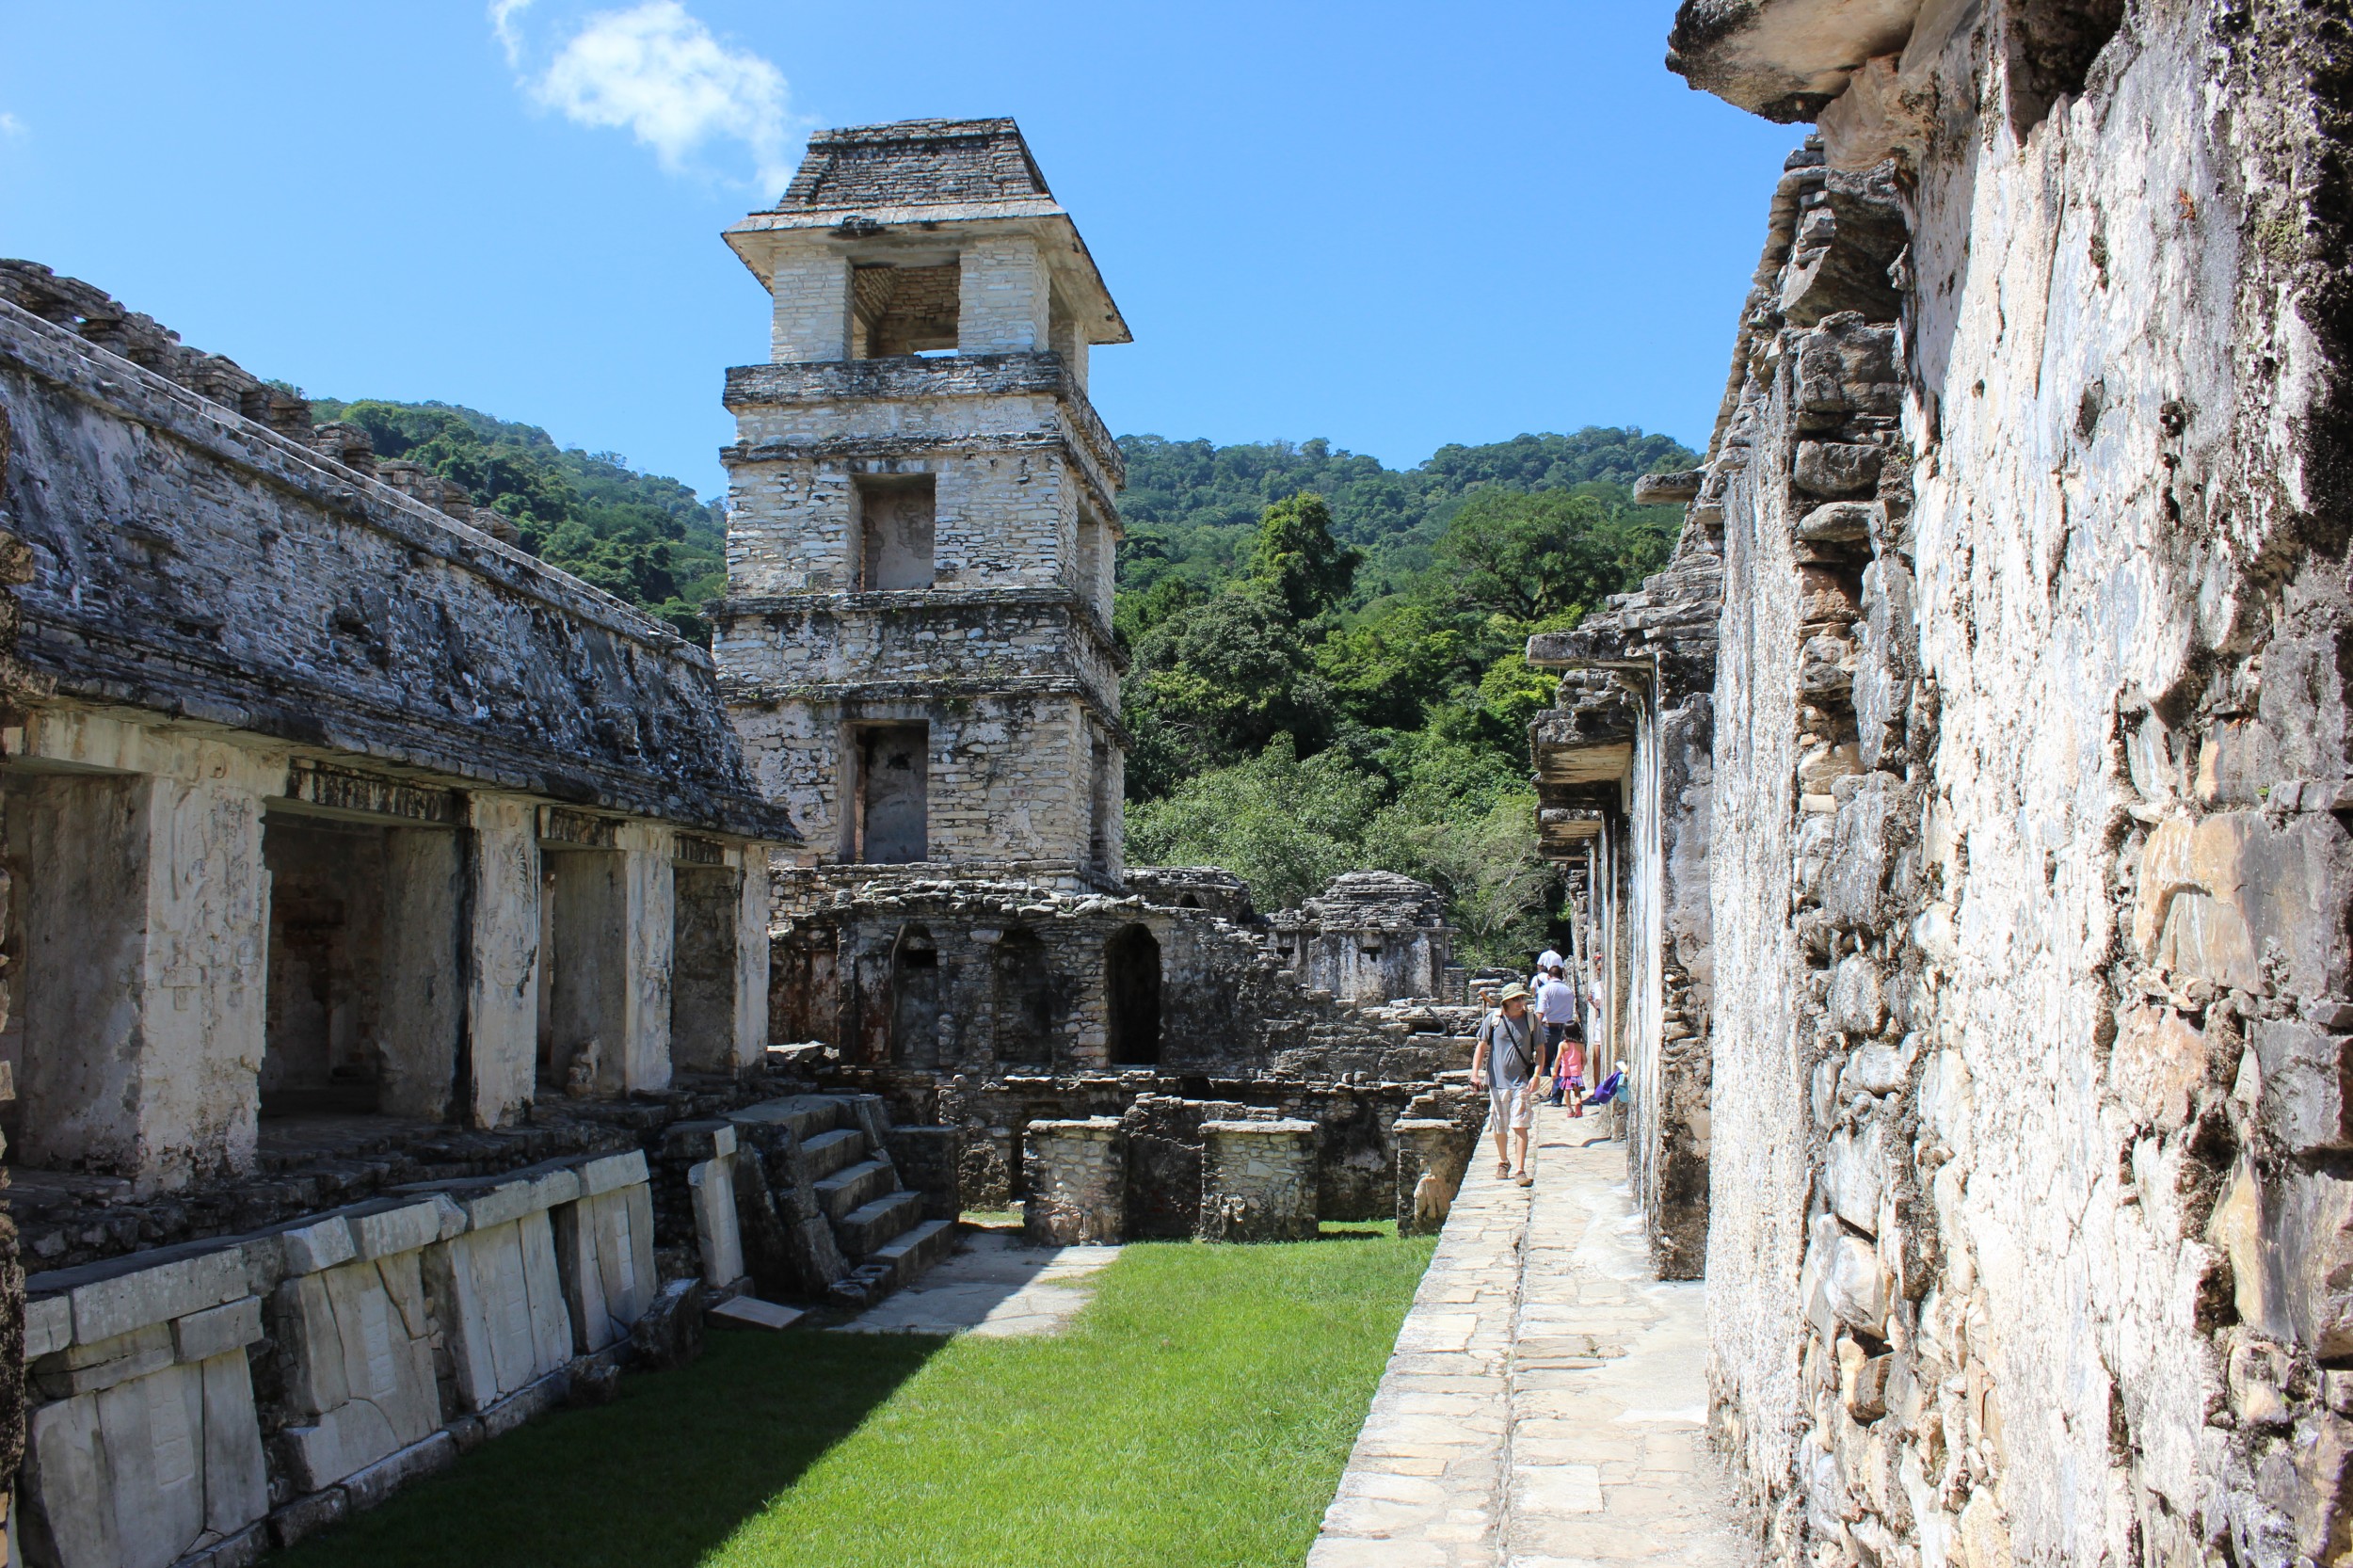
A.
pixel 146 928
pixel 751 958
pixel 422 1005
pixel 1077 1173
pixel 811 318
pixel 1258 1181
pixel 503 974
pixel 1003 297
pixel 1432 1155
pixel 650 926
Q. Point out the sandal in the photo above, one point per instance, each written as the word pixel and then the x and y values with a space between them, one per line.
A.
pixel 1503 1170
pixel 1524 1179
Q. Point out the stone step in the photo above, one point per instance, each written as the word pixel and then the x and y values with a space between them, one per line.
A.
pixel 751 1312
pixel 829 1152
pixel 856 1186
pixel 915 1250
pixel 807 1116
pixel 864 1230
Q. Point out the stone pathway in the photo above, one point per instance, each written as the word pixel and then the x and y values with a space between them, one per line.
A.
pixel 996 1288
pixel 1545 1404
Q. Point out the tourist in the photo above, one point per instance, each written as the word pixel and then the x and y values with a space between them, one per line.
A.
pixel 1504 1064
pixel 1556 1009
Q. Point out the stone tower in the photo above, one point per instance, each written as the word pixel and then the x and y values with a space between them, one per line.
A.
pixel 916 641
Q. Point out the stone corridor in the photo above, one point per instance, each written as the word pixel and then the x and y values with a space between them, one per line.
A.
pixel 1544 1402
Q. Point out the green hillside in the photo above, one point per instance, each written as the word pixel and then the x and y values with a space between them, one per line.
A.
pixel 1327 668
pixel 639 536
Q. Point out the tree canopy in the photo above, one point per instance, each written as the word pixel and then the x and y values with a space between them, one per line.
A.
pixel 1335 679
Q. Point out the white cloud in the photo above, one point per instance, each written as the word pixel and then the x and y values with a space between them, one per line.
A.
pixel 659 74
pixel 10 126
pixel 510 37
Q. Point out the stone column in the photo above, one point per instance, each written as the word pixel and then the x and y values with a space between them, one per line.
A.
pixel 502 976
pixel 1431 1153
pixel 811 312
pixel 751 958
pixel 1258 1181
pixel 1077 1173
pixel 649 927
pixel 146 922
pixel 1003 296
pixel 421 1006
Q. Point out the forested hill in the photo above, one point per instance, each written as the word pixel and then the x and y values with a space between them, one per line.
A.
pixel 1199 503
pixel 639 536
pixel 1327 655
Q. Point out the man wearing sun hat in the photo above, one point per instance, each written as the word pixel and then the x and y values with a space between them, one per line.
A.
pixel 1504 1065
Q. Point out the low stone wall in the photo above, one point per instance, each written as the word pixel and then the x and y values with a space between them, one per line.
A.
pixel 1258 1181
pixel 1078 1182
pixel 223 1395
pixel 1431 1156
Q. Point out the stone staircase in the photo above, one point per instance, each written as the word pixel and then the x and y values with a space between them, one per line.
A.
pixel 876 1222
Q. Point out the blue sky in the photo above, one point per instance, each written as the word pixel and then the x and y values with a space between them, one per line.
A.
pixel 1395 226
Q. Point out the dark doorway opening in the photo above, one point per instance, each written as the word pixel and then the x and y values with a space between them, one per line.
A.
pixel 915 992
pixel 1025 1000
pixel 893 793
pixel 1131 983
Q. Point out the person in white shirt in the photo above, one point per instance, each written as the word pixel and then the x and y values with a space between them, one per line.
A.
pixel 1556 1009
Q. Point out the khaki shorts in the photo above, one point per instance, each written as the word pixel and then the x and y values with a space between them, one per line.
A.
pixel 1512 1105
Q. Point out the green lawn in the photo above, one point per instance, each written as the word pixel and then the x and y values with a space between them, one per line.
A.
pixel 1198 1412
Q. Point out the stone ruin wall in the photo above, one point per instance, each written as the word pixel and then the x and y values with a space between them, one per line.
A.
pixel 2029 1227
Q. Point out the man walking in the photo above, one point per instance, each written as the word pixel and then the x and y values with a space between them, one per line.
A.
pixel 1556 1009
pixel 1504 1064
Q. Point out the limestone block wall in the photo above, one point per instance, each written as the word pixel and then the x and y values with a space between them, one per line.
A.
pixel 2031 956
pixel 1258 1180
pixel 237 1392
pixel 1005 298
pixel 1006 784
pixel 1077 1185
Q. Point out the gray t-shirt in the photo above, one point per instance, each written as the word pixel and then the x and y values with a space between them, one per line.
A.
pixel 1511 1050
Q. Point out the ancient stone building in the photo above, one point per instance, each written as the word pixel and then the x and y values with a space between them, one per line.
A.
pixel 915 647
pixel 1370 936
pixel 387 958
pixel 2018 955
pixel 916 635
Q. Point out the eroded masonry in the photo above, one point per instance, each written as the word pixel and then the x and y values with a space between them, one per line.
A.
pixel 1962 813
pixel 432 987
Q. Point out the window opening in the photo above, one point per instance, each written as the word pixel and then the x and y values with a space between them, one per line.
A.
pixel 896 531
pixel 893 789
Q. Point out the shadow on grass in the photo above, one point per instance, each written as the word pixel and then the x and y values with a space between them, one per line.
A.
pixel 668 1471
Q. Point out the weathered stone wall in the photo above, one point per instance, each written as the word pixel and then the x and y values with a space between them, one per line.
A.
pixel 192 561
pixel 1623 771
pixel 1369 937
pixel 2027 1234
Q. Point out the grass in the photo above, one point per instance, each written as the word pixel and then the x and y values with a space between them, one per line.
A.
pixel 1197 1412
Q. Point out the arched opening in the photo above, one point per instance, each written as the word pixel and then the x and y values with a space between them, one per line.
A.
pixel 915 992
pixel 1189 901
pixel 1025 1000
pixel 1131 984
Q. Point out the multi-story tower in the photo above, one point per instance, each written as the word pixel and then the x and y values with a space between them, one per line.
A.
pixel 916 637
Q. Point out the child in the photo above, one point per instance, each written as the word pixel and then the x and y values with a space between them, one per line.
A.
pixel 1568 1072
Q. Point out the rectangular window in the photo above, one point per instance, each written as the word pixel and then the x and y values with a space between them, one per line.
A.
pixel 894 776
pixel 895 531
pixel 904 310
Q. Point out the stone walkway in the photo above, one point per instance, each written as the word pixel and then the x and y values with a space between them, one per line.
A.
pixel 1544 1405
pixel 996 1288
